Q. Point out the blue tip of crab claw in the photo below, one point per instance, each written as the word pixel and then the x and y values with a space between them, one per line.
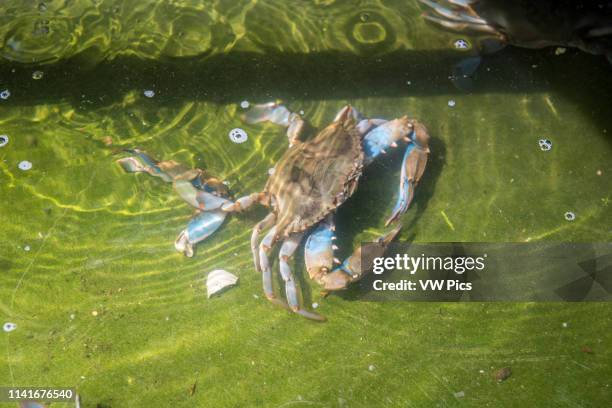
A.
pixel 319 251
pixel 199 228
pixel 268 112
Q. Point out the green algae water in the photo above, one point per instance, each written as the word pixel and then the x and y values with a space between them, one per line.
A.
pixel 103 303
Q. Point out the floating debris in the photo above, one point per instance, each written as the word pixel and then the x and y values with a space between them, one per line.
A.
pixel 459 394
pixel 569 216
pixel 26 248
pixel 238 135
pixel 218 280
pixel 371 367
pixel 452 103
pixel 25 165
pixel 462 44
pixel 4 139
pixel 503 374
pixel 244 104
pixel 315 305
pixel 5 94
pixel 271 171
pixel 545 144
pixel 586 349
pixel 560 51
pixel 149 93
pixel 37 75
pixel 9 327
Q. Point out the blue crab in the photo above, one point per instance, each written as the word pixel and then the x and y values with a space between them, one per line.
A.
pixel 530 24
pixel 310 181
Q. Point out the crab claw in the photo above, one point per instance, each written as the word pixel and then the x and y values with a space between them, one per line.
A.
pixel 197 198
pixel 268 112
pixel 278 114
pixel 199 228
pixel 142 162
pixel 352 269
pixel 413 166
pixel 319 250
pixel 382 137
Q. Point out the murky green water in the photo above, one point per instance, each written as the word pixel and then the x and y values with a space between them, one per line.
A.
pixel 104 303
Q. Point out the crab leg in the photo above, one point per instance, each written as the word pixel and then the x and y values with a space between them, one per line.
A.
pixel 467 16
pixel 199 228
pixel 280 115
pixel 260 226
pixel 266 271
pixel 244 202
pixel 319 249
pixel 352 270
pixel 286 252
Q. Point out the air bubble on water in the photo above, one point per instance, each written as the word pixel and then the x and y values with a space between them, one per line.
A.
pixel 5 94
pixel 271 171
pixel 564 324
pixel 364 17
pixel 371 368
pixel 244 104
pixel 452 103
pixel 149 93
pixel 545 144
pixel 25 165
pixel 315 305
pixel 238 135
pixel 461 44
pixel 4 139
pixel 570 216
pixel 37 75
pixel 26 248
pixel 302 112
pixel 9 327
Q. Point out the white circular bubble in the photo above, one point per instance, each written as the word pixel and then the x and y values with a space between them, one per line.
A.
pixel 570 216
pixel 271 171
pixel 149 93
pixel 452 103
pixel 244 104
pixel 545 144
pixel 37 75
pixel 25 165
pixel 4 139
pixel 461 44
pixel 5 94
pixel 9 327
pixel 26 248
pixel 238 135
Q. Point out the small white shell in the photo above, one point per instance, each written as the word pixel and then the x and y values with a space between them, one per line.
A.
pixel 218 280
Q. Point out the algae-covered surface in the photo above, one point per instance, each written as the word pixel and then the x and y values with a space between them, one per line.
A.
pixel 104 303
